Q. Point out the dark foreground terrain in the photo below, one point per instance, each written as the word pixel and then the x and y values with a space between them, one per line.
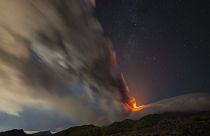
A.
pixel 165 124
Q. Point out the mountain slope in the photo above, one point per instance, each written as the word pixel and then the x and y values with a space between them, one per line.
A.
pixel 165 124
pixel 176 123
pixel 14 132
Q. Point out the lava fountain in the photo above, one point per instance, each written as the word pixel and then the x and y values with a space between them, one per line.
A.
pixel 131 104
pixel 129 101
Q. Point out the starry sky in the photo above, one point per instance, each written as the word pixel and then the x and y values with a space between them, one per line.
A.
pixel 57 66
pixel 162 46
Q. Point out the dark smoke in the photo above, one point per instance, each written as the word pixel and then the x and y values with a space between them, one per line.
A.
pixel 55 57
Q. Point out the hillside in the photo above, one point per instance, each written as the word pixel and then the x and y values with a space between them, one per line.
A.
pixel 165 124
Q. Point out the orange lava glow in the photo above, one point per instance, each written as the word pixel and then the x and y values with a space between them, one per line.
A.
pixel 131 101
pixel 132 105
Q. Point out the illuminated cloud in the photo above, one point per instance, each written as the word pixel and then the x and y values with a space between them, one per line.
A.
pixel 93 2
pixel 54 57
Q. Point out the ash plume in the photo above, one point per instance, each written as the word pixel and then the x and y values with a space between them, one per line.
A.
pixel 54 57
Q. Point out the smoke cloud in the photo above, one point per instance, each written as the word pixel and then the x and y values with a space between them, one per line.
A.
pixel 54 57
pixel 57 67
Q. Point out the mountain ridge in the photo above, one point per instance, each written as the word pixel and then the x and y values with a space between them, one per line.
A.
pixel 164 124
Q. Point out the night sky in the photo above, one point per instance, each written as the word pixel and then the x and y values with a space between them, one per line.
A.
pixel 162 46
pixel 58 69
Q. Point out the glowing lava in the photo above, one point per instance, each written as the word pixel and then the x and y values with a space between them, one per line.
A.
pixel 130 102
pixel 132 105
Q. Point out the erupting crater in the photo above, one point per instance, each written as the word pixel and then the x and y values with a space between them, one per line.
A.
pixel 130 102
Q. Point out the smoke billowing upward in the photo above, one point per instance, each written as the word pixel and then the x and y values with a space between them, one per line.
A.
pixel 54 57
pixel 57 69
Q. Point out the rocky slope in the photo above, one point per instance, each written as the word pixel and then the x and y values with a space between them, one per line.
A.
pixel 165 124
